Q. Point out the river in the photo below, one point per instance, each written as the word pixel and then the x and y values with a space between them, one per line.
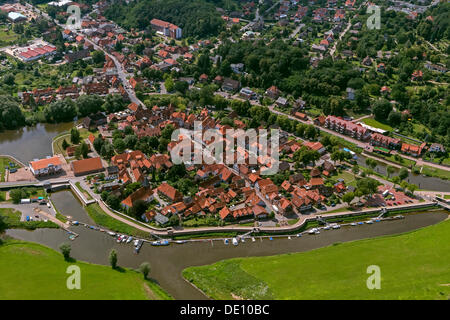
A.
pixel 168 262
pixel 29 143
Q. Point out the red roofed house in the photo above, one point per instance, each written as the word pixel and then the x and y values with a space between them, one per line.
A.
pixel 169 192
pixel 144 194
pixel 87 166
pixel 47 166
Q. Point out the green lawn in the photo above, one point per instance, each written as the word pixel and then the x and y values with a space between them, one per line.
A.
pixel 102 219
pixel 86 194
pixel 32 271
pixel 12 219
pixel 413 265
pixel 374 123
pixel 435 172
pixel 4 162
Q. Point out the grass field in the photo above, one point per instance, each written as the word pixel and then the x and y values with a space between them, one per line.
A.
pixel 413 265
pixel 435 172
pixel 374 123
pixel 4 162
pixel 102 219
pixel 32 271
pixel 85 193
pixel 12 219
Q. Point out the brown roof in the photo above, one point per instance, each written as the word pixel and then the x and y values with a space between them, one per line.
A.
pixel 44 163
pixel 87 165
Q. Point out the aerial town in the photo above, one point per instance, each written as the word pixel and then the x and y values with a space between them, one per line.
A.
pixel 112 116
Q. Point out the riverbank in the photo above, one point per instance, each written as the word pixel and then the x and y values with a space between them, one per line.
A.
pixel 168 262
pixel 338 271
pixel 49 267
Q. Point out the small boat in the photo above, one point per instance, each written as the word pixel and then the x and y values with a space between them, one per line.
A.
pixel 129 239
pixel 119 238
pixel 242 240
pixel 360 223
pixel 289 237
pixel 299 235
pixel 253 239
pixel 327 228
pixel 336 226
pixel 369 222
pixel 136 242
pixel 101 230
pixel 270 238
pixel 317 232
pixel 75 223
pixel 353 224
pixel 312 231
pixel 72 237
pixel 235 241
pixel 226 241
pixel 160 243
pixel 124 238
pixel 180 241
pixel 377 220
pixel 112 234
pixel 92 227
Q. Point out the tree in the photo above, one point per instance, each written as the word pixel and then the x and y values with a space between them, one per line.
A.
pixel 113 258
pixel 381 110
pixel 367 186
pixel 113 201
pixel 98 57
pixel 355 169
pixel 82 150
pixel 390 170
pixel 119 145
pixel 11 115
pixel 64 144
pixel 371 163
pixel 65 250
pixel 348 197
pixel 16 195
pixel 396 180
pixel 3 225
pixel 145 269
pixel 74 136
pixel 412 187
pixel 138 209
pixel 403 174
pixel 98 143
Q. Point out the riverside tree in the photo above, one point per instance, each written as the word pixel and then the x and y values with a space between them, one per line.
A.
pixel 65 250
pixel 113 258
pixel 145 269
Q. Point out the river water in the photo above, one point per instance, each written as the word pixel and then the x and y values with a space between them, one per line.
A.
pixel 29 143
pixel 168 262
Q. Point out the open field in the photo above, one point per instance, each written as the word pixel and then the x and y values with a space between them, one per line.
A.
pixel 4 162
pixel 435 172
pixel 37 272
pixel 374 123
pixel 12 219
pixel 102 219
pixel 339 271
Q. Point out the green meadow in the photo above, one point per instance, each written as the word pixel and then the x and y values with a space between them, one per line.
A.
pixel 414 265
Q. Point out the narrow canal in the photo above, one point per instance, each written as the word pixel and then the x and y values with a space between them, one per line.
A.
pixel 168 262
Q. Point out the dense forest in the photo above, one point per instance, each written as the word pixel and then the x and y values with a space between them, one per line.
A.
pixel 197 18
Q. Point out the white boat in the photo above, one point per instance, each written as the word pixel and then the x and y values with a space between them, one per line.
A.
pixel 289 237
pixel 369 222
pixel 129 239
pixel 327 228
pixel 180 241
pixel 136 242
pixel 253 239
pixel 119 238
pixel 235 241
pixel 317 232
pixel 299 235
pixel 242 240
pixel 336 226
pixel 160 243
pixel 112 234
pixel 353 224
pixel 312 231
pixel 226 241
pixel 124 238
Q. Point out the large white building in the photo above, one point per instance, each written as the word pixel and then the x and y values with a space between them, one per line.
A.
pixel 43 167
